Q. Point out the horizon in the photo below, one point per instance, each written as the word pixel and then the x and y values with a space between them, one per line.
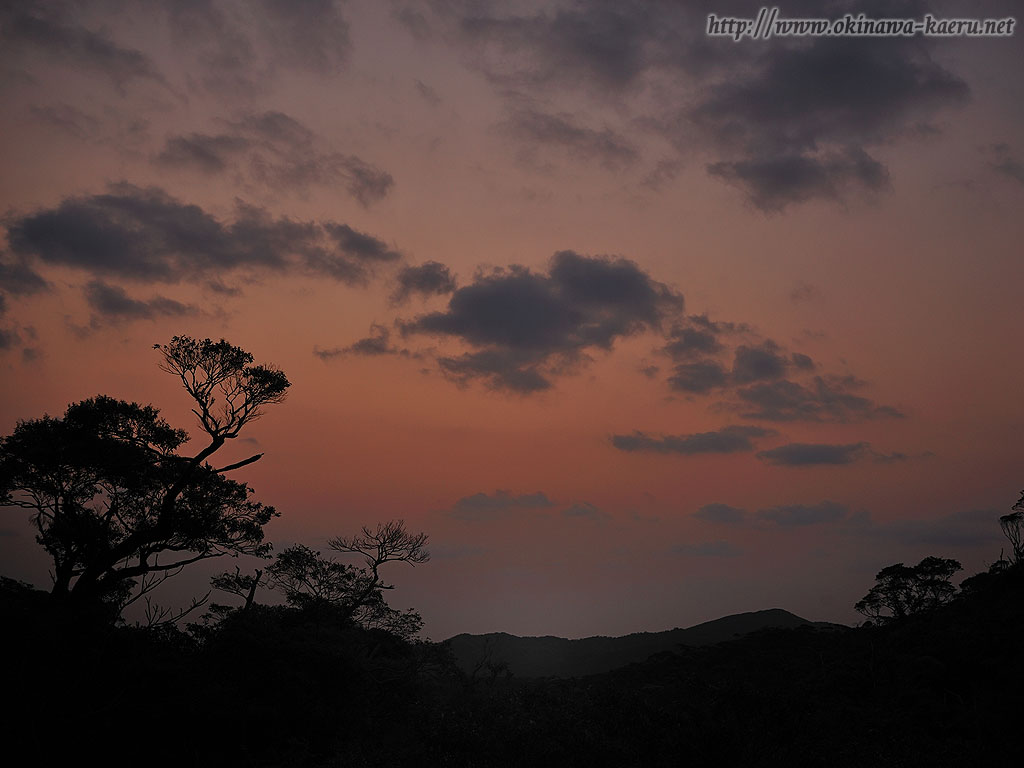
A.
pixel 560 284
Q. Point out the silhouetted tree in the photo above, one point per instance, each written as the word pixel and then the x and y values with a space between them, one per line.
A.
pixel 1013 528
pixel 902 590
pixel 314 582
pixel 113 502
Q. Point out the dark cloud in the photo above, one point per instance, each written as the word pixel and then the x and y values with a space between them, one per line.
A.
pixel 798 515
pixel 501 369
pixel 209 154
pixel 698 378
pixel 1006 163
pixel 688 342
pixel 763 362
pixel 275 128
pixel 430 278
pixel 650 371
pixel 707 549
pixel 802 114
pixel 311 35
pixel 111 302
pixel 600 45
pixel 280 152
pixel 482 506
pixel 774 182
pixel 725 440
pixel 842 91
pixel 584 509
pixel 146 234
pixel 19 279
pixel 241 46
pixel 826 398
pixel 39 28
pixel 359 245
pixel 377 344
pixel 529 326
pixel 802 362
pixel 9 339
pixel 534 128
pixel 814 454
pixel 787 122
pixel 721 513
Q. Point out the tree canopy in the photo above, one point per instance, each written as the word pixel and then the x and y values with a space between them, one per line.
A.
pixel 901 590
pixel 115 504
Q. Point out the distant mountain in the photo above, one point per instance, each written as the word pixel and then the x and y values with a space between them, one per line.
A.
pixel 559 657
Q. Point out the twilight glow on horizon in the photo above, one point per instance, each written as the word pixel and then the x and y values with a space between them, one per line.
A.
pixel 641 326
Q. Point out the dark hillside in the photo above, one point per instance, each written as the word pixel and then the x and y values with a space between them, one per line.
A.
pixel 559 657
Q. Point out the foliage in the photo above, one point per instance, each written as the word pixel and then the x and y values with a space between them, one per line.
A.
pixel 1013 528
pixel 115 505
pixel 903 590
pixel 325 586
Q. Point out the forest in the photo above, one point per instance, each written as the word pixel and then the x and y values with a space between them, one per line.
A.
pixel 302 662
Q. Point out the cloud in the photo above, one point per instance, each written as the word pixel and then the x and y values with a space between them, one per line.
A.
pixel 802 362
pixel 799 515
pixel 19 279
pixel 312 35
pixel 111 302
pixel 786 123
pixel 377 344
pixel 277 151
pixel 721 513
pixel 707 549
pixel 430 278
pixel 1005 162
pixel 482 506
pixel 528 327
pixel 775 182
pixel 29 28
pixel 732 439
pixel 9 338
pixel 601 45
pixel 534 128
pixel 584 509
pixel 826 398
pixel 698 378
pixel 803 114
pixel 209 154
pixel 239 47
pixel 688 342
pixel 814 454
pixel 145 234
pixel 499 368
pixel 764 361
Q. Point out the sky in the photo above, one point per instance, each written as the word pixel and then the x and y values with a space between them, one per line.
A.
pixel 641 326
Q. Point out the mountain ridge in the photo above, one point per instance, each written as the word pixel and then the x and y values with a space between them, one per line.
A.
pixel 498 653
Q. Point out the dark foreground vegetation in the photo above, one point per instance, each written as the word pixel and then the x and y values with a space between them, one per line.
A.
pixel 284 686
pixel 335 677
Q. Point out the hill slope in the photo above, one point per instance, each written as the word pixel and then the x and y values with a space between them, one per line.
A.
pixel 559 657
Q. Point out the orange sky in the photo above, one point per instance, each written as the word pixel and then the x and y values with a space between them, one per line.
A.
pixel 854 202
